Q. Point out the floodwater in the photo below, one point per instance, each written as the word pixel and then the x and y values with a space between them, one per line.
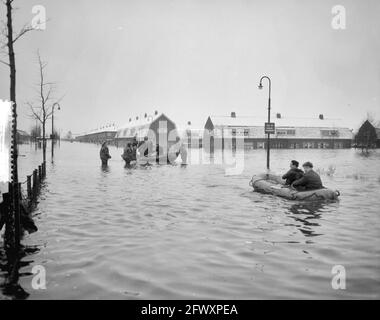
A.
pixel 195 232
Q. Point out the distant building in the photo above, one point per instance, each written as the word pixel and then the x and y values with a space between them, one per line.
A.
pixel 293 133
pixel 367 136
pixel 23 137
pixel 148 125
pixel 98 135
pixel 191 135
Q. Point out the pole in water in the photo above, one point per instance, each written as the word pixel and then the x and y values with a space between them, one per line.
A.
pixel 269 106
pixel 29 187
pixel 268 148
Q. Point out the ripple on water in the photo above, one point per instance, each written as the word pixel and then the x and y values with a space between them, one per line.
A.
pixel 170 232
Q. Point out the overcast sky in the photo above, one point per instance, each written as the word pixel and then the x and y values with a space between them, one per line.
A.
pixel 192 58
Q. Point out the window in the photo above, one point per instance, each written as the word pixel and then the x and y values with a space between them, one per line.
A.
pixel 291 132
pixel 329 133
pixel 286 132
pixel 234 132
pixel 248 145
pixel 246 132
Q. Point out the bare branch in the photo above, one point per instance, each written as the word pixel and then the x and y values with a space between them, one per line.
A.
pixel 3 62
pixel 61 98
pixel 24 30
pixel 49 114
pixel 34 114
pixel 47 96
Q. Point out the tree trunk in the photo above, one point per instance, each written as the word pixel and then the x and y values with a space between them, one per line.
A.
pixel 43 140
pixel 12 67
pixel 11 238
pixel 12 64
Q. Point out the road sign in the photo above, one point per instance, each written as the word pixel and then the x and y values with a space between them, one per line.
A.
pixel 270 128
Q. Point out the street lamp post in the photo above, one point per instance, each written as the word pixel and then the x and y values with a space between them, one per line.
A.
pixel 269 105
pixel 52 119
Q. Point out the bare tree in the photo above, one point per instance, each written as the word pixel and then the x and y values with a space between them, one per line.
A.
pixel 7 46
pixel 42 107
pixel 10 39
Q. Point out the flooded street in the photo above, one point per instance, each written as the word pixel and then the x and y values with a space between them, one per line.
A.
pixel 172 232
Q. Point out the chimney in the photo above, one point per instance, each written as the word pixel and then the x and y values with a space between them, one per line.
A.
pixel 130 119
pixel 137 118
pixel 278 115
pixel 321 117
pixel 145 115
pixel 233 114
pixel 155 112
pixel 189 123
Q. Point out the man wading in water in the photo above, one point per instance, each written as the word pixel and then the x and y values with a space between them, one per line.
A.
pixel 129 154
pixel 104 154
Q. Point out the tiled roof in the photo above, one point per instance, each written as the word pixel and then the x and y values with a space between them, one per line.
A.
pixel 280 122
pixel 138 127
pixel 109 128
pixel 140 121
pixel 304 128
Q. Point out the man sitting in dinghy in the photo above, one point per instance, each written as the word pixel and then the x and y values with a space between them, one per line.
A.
pixel 310 180
pixel 293 174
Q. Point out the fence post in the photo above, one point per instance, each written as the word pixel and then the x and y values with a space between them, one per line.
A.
pixel 17 215
pixel 35 183
pixel 40 173
pixel 9 236
pixel 29 187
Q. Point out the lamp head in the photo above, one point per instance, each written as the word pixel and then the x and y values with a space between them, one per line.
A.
pixel 260 86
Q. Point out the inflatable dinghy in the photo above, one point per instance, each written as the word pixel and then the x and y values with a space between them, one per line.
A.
pixel 275 185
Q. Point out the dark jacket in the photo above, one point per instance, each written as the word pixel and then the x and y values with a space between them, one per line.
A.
pixel 129 155
pixel 104 153
pixel 292 175
pixel 310 181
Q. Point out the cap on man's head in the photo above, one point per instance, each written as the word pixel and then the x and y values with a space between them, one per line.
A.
pixel 295 163
pixel 308 164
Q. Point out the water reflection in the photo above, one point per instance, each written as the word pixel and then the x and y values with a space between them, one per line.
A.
pixel 10 264
pixel 105 168
pixel 129 166
pixel 308 214
pixel 53 144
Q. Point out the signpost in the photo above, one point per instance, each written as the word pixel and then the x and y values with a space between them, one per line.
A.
pixel 270 128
